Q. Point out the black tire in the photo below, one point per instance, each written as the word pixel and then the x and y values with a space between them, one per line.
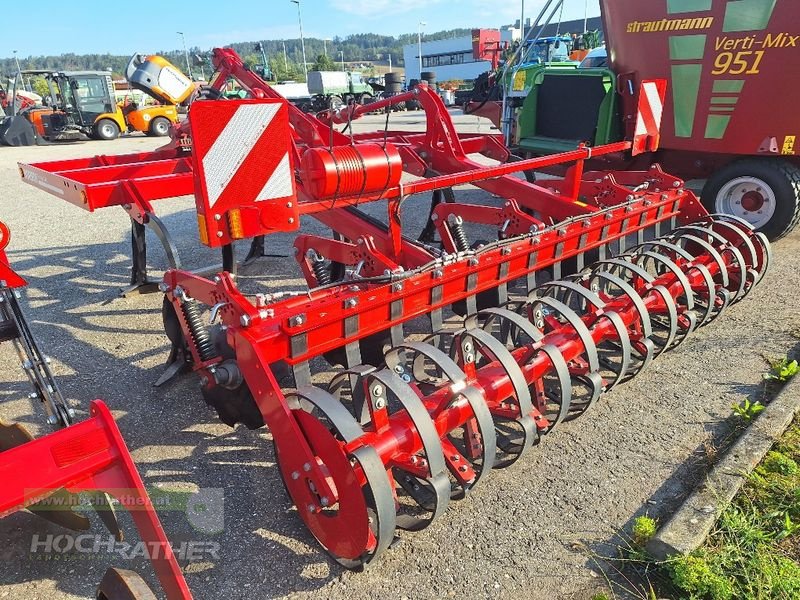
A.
pixel 159 127
pixel 122 584
pixel 774 180
pixel 336 102
pixel 365 98
pixel 106 129
pixel 391 78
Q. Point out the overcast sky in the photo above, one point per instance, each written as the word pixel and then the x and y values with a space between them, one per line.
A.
pixel 118 27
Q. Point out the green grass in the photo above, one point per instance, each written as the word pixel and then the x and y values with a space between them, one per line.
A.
pixel 754 550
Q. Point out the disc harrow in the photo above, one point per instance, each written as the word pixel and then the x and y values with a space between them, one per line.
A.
pixel 449 359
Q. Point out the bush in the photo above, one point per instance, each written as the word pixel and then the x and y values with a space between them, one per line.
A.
pixel 776 462
pixel 694 574
pixel 644 528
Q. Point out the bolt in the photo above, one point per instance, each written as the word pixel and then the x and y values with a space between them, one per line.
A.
pixel 463 468
pixel 244 320
pixel 52 420
pixel 163 287
pixel 310 508
pixel 291 220
pixel 324 501
pixel 469 357
pixel 676 184
pixel 398 368
pixel 377 390
pixel 288 205
pixel 27 365
pixel 396 287
pixel 406 377
pixel 350 303
pixel 296 321
pixel 454 458
pixel 438 274
pixel 380 403
pixel 307 467
pixel 467 346
pixel 217 217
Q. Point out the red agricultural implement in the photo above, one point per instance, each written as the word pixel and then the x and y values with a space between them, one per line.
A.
pixel 42 474
pixel 589 278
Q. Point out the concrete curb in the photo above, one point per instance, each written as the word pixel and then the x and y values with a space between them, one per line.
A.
pixel 688 528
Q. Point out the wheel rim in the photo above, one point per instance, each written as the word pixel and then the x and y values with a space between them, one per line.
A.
pixel 161 127
pixel 107 130
pixel 749 198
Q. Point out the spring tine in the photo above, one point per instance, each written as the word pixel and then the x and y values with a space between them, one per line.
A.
pixel 739 291
pixel 565 384
pixel 589 297
pixel 766 253
pixel 747 275
pixel 592 377
pixel 707 247
pixel 348 381
pixel 302 374
pixel 487 343
pixel 438 480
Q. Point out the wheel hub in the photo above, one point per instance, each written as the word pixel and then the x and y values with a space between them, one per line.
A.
pixel 748 198
pixel 752 201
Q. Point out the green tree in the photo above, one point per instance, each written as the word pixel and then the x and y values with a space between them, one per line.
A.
pixel 39 86
pixel 323 63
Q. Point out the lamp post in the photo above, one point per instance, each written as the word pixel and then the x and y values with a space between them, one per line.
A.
pixel 302 41
pixel 325 46
pixel 585 16
pixel 341 57
pixel 186 54
pixel 419 45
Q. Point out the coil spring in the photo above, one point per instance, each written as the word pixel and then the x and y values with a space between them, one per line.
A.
pixel 456 225
pixel 200 336
pixel 321 271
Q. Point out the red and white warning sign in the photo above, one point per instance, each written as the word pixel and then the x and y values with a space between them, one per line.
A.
pixel 244 177
pixel 648 119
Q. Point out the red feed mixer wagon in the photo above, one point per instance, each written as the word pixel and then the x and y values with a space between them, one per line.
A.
pixel 589 277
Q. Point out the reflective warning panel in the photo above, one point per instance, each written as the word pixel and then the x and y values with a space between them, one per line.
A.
pixel 244 177
pixel 647 133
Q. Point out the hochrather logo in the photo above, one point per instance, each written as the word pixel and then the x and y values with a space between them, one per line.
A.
pixel 698 23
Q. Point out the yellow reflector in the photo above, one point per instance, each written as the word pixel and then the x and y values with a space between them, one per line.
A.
pixel 201 228
pixel 235 224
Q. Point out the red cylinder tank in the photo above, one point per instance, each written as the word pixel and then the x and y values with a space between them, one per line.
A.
pixel 345 171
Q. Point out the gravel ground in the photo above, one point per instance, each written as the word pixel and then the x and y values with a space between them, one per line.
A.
pixel 529 531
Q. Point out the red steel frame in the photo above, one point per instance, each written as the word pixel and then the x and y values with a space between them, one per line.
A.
pixel 542 225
